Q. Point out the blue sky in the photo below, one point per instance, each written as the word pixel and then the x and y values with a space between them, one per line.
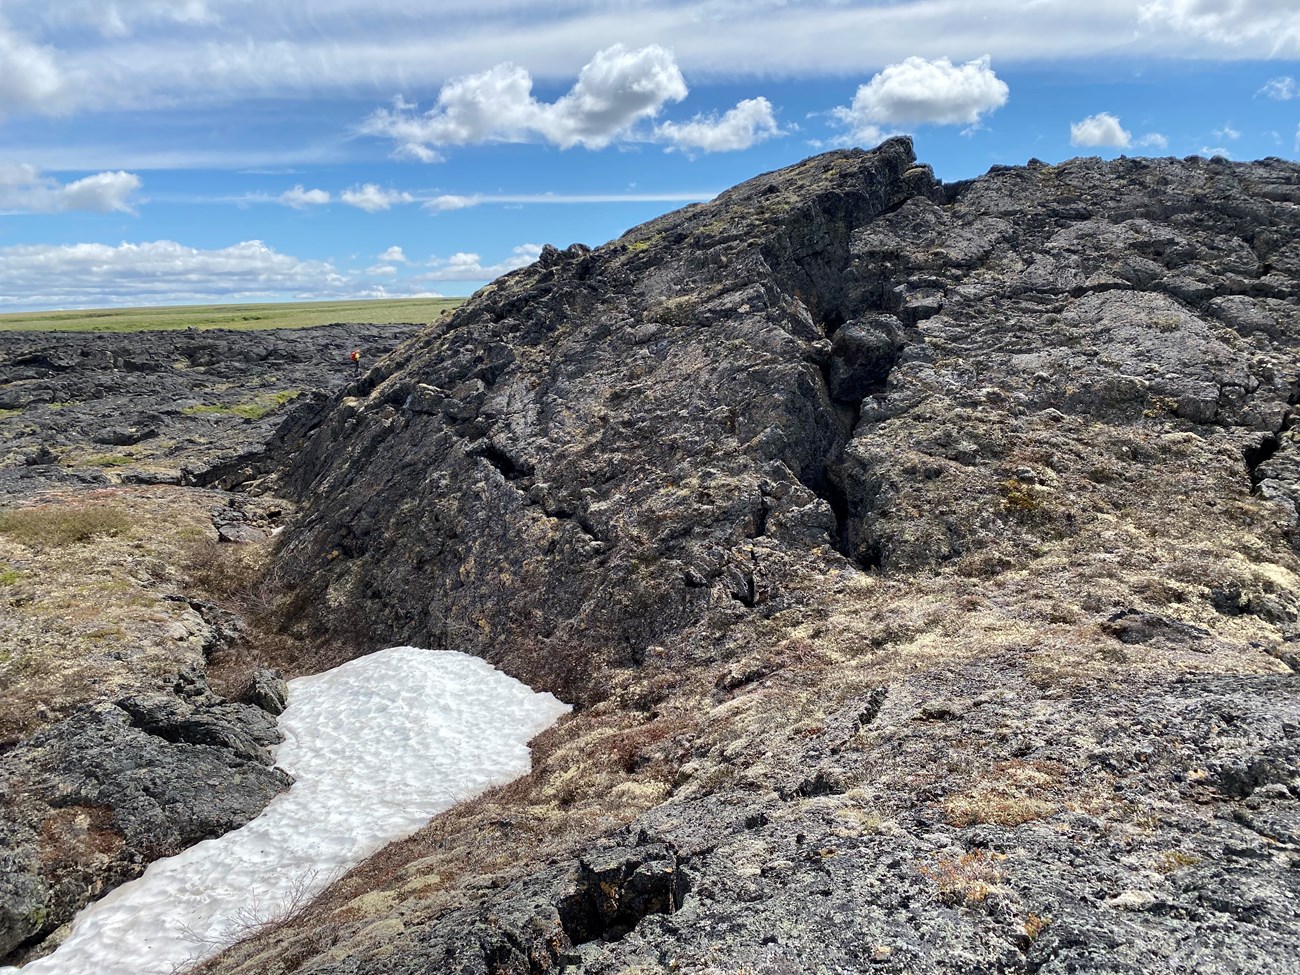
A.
pixel 192 151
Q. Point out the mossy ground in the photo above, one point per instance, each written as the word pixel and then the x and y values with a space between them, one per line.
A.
pixel 241 317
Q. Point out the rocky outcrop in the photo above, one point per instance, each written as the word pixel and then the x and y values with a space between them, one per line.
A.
pixel 91 801
pixel 921 558
pixel 839 364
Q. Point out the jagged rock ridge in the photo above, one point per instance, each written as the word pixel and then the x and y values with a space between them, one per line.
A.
pixel 952 526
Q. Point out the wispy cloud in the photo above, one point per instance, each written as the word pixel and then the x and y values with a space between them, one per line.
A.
pixel 373 198
pixel 452 201
pixel 1261 25
pixel 1281 89
pixel 150 53
pixel 301 199
pixel 30 77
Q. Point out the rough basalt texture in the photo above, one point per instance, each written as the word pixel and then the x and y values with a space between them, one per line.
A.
pixel 169 407
pixel 920 557
pixel 89 802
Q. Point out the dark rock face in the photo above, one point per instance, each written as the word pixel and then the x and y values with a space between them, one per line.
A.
pixel 957 522
pixel 598 451
pixel 91 801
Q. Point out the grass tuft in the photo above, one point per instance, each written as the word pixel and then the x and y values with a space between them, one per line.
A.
pixel 62 525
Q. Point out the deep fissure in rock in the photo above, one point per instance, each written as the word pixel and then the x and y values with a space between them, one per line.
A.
pixel 617 888
pixel 1257 455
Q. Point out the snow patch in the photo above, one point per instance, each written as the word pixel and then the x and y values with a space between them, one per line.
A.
pixel 377 747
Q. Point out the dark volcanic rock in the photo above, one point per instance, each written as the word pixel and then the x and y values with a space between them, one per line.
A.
pixel 924 553
pixel 184 404
pixel 89 802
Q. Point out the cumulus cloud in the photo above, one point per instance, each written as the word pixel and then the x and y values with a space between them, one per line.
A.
pixel 748 124
pixel 393 255
pixel 30 78
pixel 1272 24
pixel 1281 89
pixel 166 272
pixel 1215 152
pixel 920 92
pixel 1102 129
pixel 150 53
pixel 301 199
pixel 1154 140
pixel 616 89
pixel 78 275
pixel 24 190
pixel 1227 132
pixel 373 198
pixel 465 266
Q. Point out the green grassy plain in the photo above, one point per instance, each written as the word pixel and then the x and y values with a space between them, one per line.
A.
pixel 272 315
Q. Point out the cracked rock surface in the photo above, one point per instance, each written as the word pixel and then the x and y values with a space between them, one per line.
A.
pixel 921 559
pixel 90 801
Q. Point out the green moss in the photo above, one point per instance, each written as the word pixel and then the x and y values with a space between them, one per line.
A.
pixel 9 576
pixel 5 414
pixel 253 409
pixel 108 460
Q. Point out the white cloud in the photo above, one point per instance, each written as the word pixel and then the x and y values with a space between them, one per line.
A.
pixel 93 275
pixel 748 124
pixel 1102 129
pixel 1154 140
pixel 1227 132
pixel 300 199
pixel 393 255
pixel 465 266
pixel 77 275
pixel 176 54
pixel 438 204
pixel 144 54
pixel 24 190
pixel 1263 24
pixel 1215 151
pixel 921 92
pixel 30 78
pixel 615 89
pixel 382 271
pixel 1281 89
pixel 373 198
pixel 120 18
pixel 450 201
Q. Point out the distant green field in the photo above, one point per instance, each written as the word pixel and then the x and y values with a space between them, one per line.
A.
pixel 294 315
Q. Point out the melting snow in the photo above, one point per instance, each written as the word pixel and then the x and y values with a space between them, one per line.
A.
pixel 377 747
